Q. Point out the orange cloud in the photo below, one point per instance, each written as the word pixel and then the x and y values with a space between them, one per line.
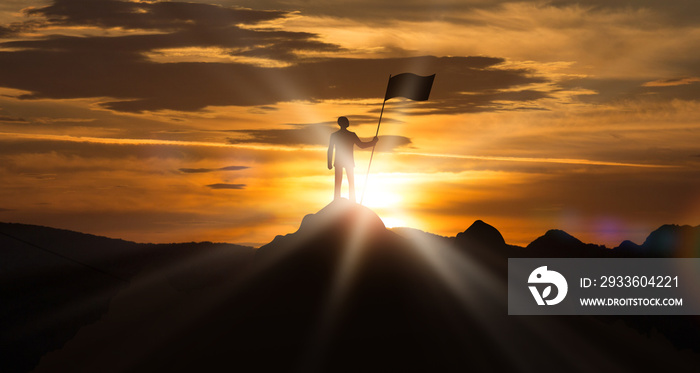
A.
pixel 671 82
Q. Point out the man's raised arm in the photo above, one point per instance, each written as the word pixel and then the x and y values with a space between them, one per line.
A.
pixel 367 144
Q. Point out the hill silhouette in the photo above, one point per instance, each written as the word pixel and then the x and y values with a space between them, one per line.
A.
pixel 54 282
pixel 559 244
pixel 342 293
pixel 482 235
pixel 668 241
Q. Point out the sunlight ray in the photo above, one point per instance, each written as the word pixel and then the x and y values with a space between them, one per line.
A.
pixel 483 294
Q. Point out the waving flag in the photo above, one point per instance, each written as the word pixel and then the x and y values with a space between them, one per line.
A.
pixel 411 86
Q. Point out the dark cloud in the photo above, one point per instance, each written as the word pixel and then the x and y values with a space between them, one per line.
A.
pixel 226 186
pixel 308 135
pixel 680 12
pixel 181 25
pixel 489 100
pixel 672 82
pixel 5 32
pixel 40 176
pixel 612 90
pixel 148 15
pixel 16 28
pixel 100 151
pixel 247 41
pixel 5 118
pixel 141 85
pixel 205 170
pixel 118 67
pixel 285 50
pixel 95 153
pixel 689 91
pixel 677 13
pixel 601 90
pixel 376 11
pixel 355 120
pixel 389 143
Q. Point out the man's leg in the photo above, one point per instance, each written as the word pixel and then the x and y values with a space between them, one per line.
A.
pixel 351 182
pixel 338 181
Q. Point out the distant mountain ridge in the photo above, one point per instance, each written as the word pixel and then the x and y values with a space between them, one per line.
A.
pixel 670 240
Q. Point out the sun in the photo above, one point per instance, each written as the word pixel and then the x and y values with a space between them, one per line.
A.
pixel 393 222
pixel 385 191
pixel 378 199
pixel 388 195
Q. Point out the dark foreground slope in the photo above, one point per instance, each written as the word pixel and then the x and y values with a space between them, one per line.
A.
pixel 357 297
pixel 345 294
pixel 54 282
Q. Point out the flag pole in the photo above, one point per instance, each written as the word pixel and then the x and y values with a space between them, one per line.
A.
pixel 364 189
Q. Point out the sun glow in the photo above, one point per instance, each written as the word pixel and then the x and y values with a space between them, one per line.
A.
pixel 393 222
pixel 381 199
pixel 385 190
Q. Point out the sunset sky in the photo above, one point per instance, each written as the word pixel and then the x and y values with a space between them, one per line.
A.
pixel 209 120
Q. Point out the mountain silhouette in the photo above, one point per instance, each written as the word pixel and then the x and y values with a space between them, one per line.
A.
pixel 680 241
pixel 413 232
pixel 56 281
pixel 481 234
pixel 342 293
pixel 559 244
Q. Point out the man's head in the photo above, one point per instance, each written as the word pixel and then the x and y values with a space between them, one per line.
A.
pixel 343 122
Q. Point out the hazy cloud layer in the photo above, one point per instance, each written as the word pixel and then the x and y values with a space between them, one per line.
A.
pixel 227 186
pixel 206 170
pixel 680 11
pixel 621 90
pixel 6 118
pixel 308 135
pixel 355 120
pixel 5 31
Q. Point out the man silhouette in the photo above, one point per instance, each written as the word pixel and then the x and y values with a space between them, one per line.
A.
pixel 343 142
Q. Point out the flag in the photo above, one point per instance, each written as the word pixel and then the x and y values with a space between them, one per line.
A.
pixel 411 86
